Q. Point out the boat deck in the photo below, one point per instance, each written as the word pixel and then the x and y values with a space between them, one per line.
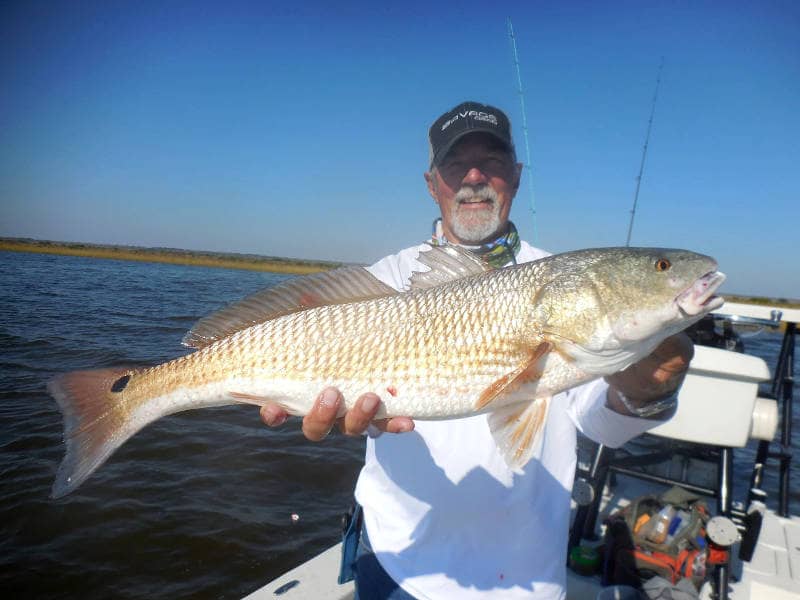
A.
pixel 315 578
pixel 774 571
pixel 772 574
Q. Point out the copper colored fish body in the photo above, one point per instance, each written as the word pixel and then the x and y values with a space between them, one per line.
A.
pixel 463 340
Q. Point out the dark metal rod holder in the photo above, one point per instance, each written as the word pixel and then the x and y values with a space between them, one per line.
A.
pixel 663 480
pixel 783 391
pixel 787 390
pixel 724 502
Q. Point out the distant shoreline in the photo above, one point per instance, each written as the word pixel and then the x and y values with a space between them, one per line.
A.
pixel 250 262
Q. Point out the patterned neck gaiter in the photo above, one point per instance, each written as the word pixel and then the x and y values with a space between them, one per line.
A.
pixel 497 253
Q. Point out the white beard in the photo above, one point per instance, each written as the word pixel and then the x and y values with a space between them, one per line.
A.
pixel 475 226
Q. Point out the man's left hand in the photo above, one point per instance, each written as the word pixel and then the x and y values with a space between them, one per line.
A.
pixel 656 376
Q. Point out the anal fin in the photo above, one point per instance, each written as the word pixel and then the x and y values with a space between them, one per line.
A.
pixel 517 430
pixel 249 398
pixel 291 406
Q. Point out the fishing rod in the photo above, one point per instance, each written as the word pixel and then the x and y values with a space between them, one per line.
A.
pixel 524 130
pixel 644 154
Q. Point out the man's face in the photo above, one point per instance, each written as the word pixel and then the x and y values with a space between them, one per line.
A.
pixel 474 185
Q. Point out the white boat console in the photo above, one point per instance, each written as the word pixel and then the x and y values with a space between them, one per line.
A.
pixel 719 404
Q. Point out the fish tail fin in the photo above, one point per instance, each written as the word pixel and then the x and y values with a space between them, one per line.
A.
pixel 95 421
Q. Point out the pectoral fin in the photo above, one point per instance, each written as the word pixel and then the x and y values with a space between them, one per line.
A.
pixel 531 370
pixel 517 430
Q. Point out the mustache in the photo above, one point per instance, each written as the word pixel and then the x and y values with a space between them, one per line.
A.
pixel 482 192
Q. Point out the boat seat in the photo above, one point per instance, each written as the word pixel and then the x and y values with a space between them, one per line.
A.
pixel 718 403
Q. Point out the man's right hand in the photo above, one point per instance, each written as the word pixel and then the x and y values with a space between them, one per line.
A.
pixel 322 416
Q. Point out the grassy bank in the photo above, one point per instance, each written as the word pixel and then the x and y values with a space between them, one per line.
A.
pixel 761 301
pixel 169 255
pixel 250 262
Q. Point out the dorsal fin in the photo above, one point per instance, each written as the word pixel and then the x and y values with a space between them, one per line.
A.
pixel 347 284
pixel 447 263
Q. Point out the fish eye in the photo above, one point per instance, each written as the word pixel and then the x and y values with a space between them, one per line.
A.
pixel 662 264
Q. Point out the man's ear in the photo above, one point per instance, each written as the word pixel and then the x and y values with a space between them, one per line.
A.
pixel 431 182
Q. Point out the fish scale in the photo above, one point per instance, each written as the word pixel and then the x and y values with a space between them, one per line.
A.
pixel 464 340
pixel 369 352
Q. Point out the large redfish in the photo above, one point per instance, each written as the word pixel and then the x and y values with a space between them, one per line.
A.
pixel 464 339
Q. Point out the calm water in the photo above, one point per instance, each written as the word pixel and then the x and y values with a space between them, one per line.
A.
pixel 198 504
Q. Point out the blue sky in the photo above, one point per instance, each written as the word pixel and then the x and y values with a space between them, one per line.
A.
pixel 300 129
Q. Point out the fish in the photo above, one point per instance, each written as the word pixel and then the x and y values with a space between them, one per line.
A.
pixel 463 339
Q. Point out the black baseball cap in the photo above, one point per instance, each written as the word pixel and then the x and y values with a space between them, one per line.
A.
pixel 467 117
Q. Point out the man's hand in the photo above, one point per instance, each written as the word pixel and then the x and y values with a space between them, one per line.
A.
pixel 656 376
pixel 322 416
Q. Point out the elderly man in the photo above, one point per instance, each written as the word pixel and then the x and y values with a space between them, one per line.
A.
pixel 444 516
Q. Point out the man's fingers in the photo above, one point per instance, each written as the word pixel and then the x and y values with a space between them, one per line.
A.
pixel 320 420
pixel 357 419
pixel 671 359
pixel 395 424
pixel 659 373
pixel 273 415
pixel 323 415
pixel 675 352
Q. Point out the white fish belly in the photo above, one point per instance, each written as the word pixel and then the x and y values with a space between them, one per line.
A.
pixel 440 398
pixel 297 397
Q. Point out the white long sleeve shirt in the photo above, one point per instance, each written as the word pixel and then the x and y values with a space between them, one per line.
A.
pixel 447 518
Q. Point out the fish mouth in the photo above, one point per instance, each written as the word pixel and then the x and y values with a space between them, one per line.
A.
pixel 699 298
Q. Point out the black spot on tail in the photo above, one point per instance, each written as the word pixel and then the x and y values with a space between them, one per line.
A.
pixel 120 383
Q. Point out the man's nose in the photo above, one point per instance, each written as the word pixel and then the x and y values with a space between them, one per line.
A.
pixel 474 176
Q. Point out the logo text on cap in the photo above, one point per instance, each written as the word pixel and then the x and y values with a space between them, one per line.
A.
pixel 476 115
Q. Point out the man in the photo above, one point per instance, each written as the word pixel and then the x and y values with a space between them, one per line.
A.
pixel 444 516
